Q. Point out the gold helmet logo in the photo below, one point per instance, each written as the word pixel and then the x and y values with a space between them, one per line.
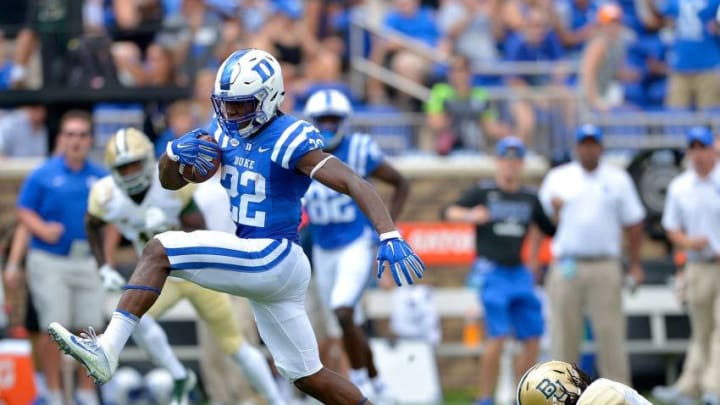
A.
pixel 551 383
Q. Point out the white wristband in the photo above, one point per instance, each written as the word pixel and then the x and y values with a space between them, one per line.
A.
pixel 170 154
pixel 390 235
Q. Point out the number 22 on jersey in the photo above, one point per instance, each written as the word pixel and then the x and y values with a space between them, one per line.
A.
pixel 245 190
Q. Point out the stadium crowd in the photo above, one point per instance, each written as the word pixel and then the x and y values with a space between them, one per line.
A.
pixel 492 76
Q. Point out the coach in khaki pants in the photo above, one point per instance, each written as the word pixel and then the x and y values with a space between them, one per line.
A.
pixel 592 203
pixel 692 221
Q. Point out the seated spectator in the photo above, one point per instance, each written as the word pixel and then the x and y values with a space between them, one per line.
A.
pixel 180 119
pixel 6 66
pixel 536 41
pixel 408 18
pixel 460 115
pixel 603 68
pixel 192 36
pixel 288 38
pixel 647 56
pixel 157 70
pixel 577 21
pixel 324 73
pixel 23 132
pixel 694 79
pixel 134 21
pixel 202 105
pixel 471 29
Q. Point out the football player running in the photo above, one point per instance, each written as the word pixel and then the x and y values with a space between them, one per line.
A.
pixel 560 383
pixel 133 200
pixel 343 241
pixel 268 162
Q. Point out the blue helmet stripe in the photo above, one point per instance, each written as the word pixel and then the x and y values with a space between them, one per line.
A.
pixel 226 75
pixel 328 100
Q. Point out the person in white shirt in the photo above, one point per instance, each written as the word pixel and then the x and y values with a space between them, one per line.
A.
pixel 560 383
pixel 691 219
pixel 592 203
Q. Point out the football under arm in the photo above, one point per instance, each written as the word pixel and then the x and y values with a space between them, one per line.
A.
pixel 170 176
pixel 336 175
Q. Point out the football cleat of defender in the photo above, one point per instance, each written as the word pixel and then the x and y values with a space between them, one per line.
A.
pixel 87 350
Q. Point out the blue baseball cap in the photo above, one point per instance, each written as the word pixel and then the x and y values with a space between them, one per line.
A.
pixel 510 147
pixel 589 131
pixel 700 134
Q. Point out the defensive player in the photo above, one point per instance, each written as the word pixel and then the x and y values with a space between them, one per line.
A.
pixel 342 237
pixel 268 161
pixel 560 383
pixel 132 199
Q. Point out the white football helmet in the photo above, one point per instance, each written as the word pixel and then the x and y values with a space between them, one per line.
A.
pixel 552 383
pixel 126 147
pixel 159 385
pixel 248 90
pixel 125 388
pixel 329 111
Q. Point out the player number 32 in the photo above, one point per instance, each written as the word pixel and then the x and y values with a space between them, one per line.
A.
pixel 253 187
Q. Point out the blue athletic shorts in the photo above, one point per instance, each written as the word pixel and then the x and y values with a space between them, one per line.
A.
pixel 511 306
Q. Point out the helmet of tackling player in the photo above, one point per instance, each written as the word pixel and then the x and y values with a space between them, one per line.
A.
pixel 329 111
pixel 248 90
pixel 131 158
pixel 551 383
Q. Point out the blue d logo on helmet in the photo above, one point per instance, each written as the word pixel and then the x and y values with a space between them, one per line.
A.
pixel 248 90
pixel 329 111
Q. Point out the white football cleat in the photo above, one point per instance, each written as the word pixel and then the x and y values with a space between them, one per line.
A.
pixel 86 349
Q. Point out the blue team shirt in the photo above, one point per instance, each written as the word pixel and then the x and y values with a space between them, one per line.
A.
pixel 420 26
pixel 259 175
pixel 58 194
pixel 335 219
pixel 695 48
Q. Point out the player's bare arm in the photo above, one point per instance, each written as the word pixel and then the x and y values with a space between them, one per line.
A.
pixel 94 227
pixel 388 174
pixel 336 175
pixel 170 176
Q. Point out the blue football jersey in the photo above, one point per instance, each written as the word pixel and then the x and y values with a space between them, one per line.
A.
pixel 695 47
pixel 335 219
pixel 259 175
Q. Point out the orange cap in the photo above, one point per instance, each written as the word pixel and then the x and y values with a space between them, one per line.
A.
pixel 609 13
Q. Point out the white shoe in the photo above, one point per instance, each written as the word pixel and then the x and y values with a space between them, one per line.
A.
pixel 672 396
pixel 86 349
pixel 183 388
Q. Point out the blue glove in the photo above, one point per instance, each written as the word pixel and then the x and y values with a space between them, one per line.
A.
pixel 399 257
pixel 189 150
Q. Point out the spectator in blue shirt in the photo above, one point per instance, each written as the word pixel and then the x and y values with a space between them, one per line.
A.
pixel 415 23
pixel 694 55
pixel 535 42
pixel 61 272
pixel 577 21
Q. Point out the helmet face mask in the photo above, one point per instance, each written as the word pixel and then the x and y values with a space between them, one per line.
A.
pixel 130 156
pixel 248 91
